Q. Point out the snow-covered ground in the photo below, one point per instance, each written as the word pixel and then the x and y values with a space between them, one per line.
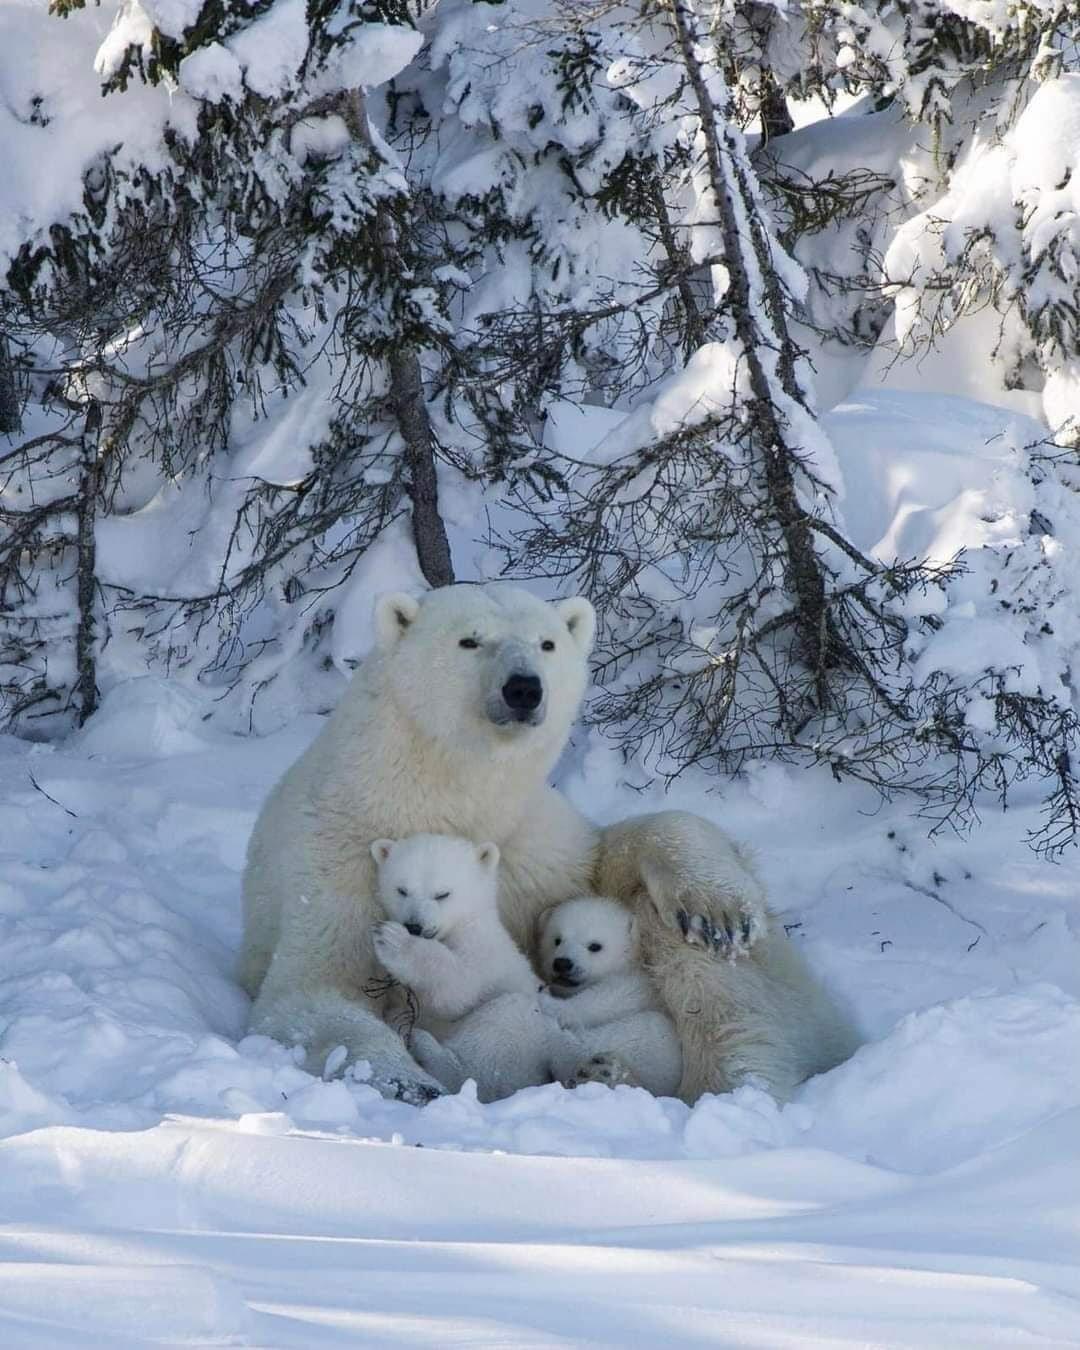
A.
pixel 164 1180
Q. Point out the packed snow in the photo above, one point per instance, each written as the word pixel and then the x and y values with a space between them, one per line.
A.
pixel 165 1179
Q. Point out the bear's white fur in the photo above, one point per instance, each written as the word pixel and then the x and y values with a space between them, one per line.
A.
pixel 433 736
pixel 479 1015
pixel 599 992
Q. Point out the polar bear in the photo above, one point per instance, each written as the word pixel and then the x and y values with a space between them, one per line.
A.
pixel 452 725
pixel 599 991
pixel 479 1014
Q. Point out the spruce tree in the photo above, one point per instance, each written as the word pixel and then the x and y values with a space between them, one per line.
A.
pixel 245 259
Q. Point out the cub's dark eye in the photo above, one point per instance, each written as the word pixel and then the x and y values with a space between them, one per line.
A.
pixel 402 891
pixel 547 645
pixel 470 644
pixel 596 946
pixel 558 941
pixel 442 895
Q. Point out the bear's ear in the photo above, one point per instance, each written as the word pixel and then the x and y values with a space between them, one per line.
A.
pixel 487 855
pixel 394 613
pixel 580 619
pixel 381 850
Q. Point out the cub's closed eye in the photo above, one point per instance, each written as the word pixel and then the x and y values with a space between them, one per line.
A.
pixel 442 895
pixel 402 891
pixel 470 644
pixel 596 946
pixel 547 645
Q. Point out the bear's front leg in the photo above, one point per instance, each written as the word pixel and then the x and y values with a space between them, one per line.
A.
pixel 327 1021
pixel 700 882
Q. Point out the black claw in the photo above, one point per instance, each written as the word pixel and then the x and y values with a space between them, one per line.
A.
pixel 747 927
pixel 684 921
pixel 729 928
pixel 413 1093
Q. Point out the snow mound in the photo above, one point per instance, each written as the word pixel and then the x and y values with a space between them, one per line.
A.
pixel 145 718
pixel 932 1094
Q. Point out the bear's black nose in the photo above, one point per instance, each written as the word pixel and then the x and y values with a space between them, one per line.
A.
pixel 414 928
pixel 523 693
pixel 562 965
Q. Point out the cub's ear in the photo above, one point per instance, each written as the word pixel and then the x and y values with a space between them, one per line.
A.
pixel 487 855
pixel 381 850
pixel 394 613
pixel 580 619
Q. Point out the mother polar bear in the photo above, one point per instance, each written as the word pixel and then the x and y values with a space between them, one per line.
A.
pixel 451 726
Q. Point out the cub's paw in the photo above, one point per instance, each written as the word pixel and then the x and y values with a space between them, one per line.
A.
pixel 607 1069
pixel 391 942
pixel 549 1005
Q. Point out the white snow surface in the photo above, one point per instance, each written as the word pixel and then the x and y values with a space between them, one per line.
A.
pixel 166 1180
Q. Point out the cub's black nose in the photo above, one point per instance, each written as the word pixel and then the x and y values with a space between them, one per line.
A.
pixel 414 928
pixel 562 965
pixel 523 693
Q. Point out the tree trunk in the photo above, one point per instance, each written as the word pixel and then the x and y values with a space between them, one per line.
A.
pixel 408 398
pixel 804 572
pixel 10 413
pixel 86 691
pixel 776 119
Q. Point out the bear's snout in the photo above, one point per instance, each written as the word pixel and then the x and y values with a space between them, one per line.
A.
pixel 562 965
pixel 523 694
pixel 415 929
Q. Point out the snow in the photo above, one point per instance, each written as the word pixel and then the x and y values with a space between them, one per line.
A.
pixel 166 1179
pixel 271 48
pixel 52 112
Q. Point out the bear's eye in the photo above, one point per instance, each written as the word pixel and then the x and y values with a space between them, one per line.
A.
pixel 442 895
pixel 547 645
pixel 403 892
pixel 596 946
pixel 558 941
pixel 470 644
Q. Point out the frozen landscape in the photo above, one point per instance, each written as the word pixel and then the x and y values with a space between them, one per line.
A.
pixel 757 322
pixel 165 1180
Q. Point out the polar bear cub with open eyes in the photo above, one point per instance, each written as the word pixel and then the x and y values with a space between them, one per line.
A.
pixel 479 1011
pixel 603 997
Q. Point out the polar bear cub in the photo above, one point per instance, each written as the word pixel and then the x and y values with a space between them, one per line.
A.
pixel 602 996
pixel 479 1010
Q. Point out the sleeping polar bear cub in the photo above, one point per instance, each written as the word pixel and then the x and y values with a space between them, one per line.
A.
pixel 602 996
pixel 480 1014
